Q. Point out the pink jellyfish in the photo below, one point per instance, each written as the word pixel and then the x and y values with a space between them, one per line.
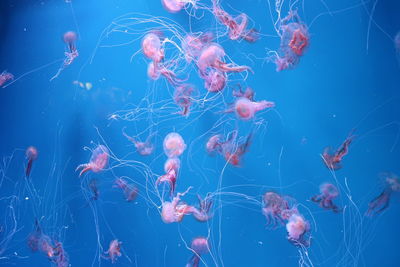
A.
pixel 71 54
pixel 182 97
pixel 202 214
pixel 98 161
pixel 5 77
pixel 214 144
pixel 152 48
pixel 275 209
pixel 328 192
pixel 31 154
pixel 174 145
pixel 381 202
pixel 199 246
pixel 333 161
pixel 193 45
pixel 236 26
pixel 171 168
pixel 294 41
pixel 114 250
pixel 174 6
pixel 175 210
pixel 143 148
pixel 297 228
pixel 233 151
pixel 212 56
pixel 214 80
pixel 130 191
pixel 245 109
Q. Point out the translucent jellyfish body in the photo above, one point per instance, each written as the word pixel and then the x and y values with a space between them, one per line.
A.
pixel 297 228
pixel 199 246
pixel 174 145
pixel 246 109
pixel 328 192
pixel 98 161
pixel 31 154
pixel 151 46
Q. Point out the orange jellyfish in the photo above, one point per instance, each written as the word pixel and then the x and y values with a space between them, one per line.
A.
pixel 114 250
pixel 333 161
pixel 174 145
pixel 98 161
pixel 328 192
pixel 31 154
pixel 233 151
pixel 199 246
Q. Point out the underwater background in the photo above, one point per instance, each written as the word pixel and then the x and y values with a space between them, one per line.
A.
pixel 347 80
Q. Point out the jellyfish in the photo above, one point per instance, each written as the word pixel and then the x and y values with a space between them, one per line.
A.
pixel 171 168
pixel 130 191
pixel 71 54
pixel 202 214
pixel 182 97
pixel 233 151
pixel 114 250
pixel 236 26
pixel 381 202
pixel 199 246
pixel 98 161
pixel 274 209
pixel 328 192
pixel 94 188
pixel 193 45
pixel 297 228
pixel 143 148
pixel 245 109
pixel 333 161
pixel 294 41
pixel 31 154
pixel 212 57
pixel 60 257
pixel 174 145
pixel 152 48
pixel 174 6
pixel 214 80
pixel 175 210
pixel 214 144
pixel 5 76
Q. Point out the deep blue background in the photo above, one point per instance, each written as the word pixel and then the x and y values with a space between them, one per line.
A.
pixel 338 85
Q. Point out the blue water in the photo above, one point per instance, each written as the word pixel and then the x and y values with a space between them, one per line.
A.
pixel 348 78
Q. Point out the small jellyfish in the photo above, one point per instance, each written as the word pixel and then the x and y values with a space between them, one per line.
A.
pixel 182 97
pixel 143 148
pixel 294 40
pixel 214 80
pixel 5 77
pixel 333 161
pixel 152 48
pixel 174 145
pixel 193 45
pixel 71 54
pixel 60 258
pixel 233 150
pixel 31 154
pixel 381 202
pixel 214 144
pixel 175 210
pixel 297 228
pixel 212 57
pixel 154 70
pixel 245 109
pixel 130 190
pixel 171 168
pixel 236 26
pixel 328 192
pixel 98 161
pixel 174 6
pixel 94 188
pixel 199 246
pixel 273 208
pixel 114 250
pixel 202 214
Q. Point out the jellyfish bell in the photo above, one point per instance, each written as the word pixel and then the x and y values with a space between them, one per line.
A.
pixel 70 37
pixel 174 145
pixel 329 190
pixel 210 56
pixel 200 245
pixel 173 6
pixel 151 46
